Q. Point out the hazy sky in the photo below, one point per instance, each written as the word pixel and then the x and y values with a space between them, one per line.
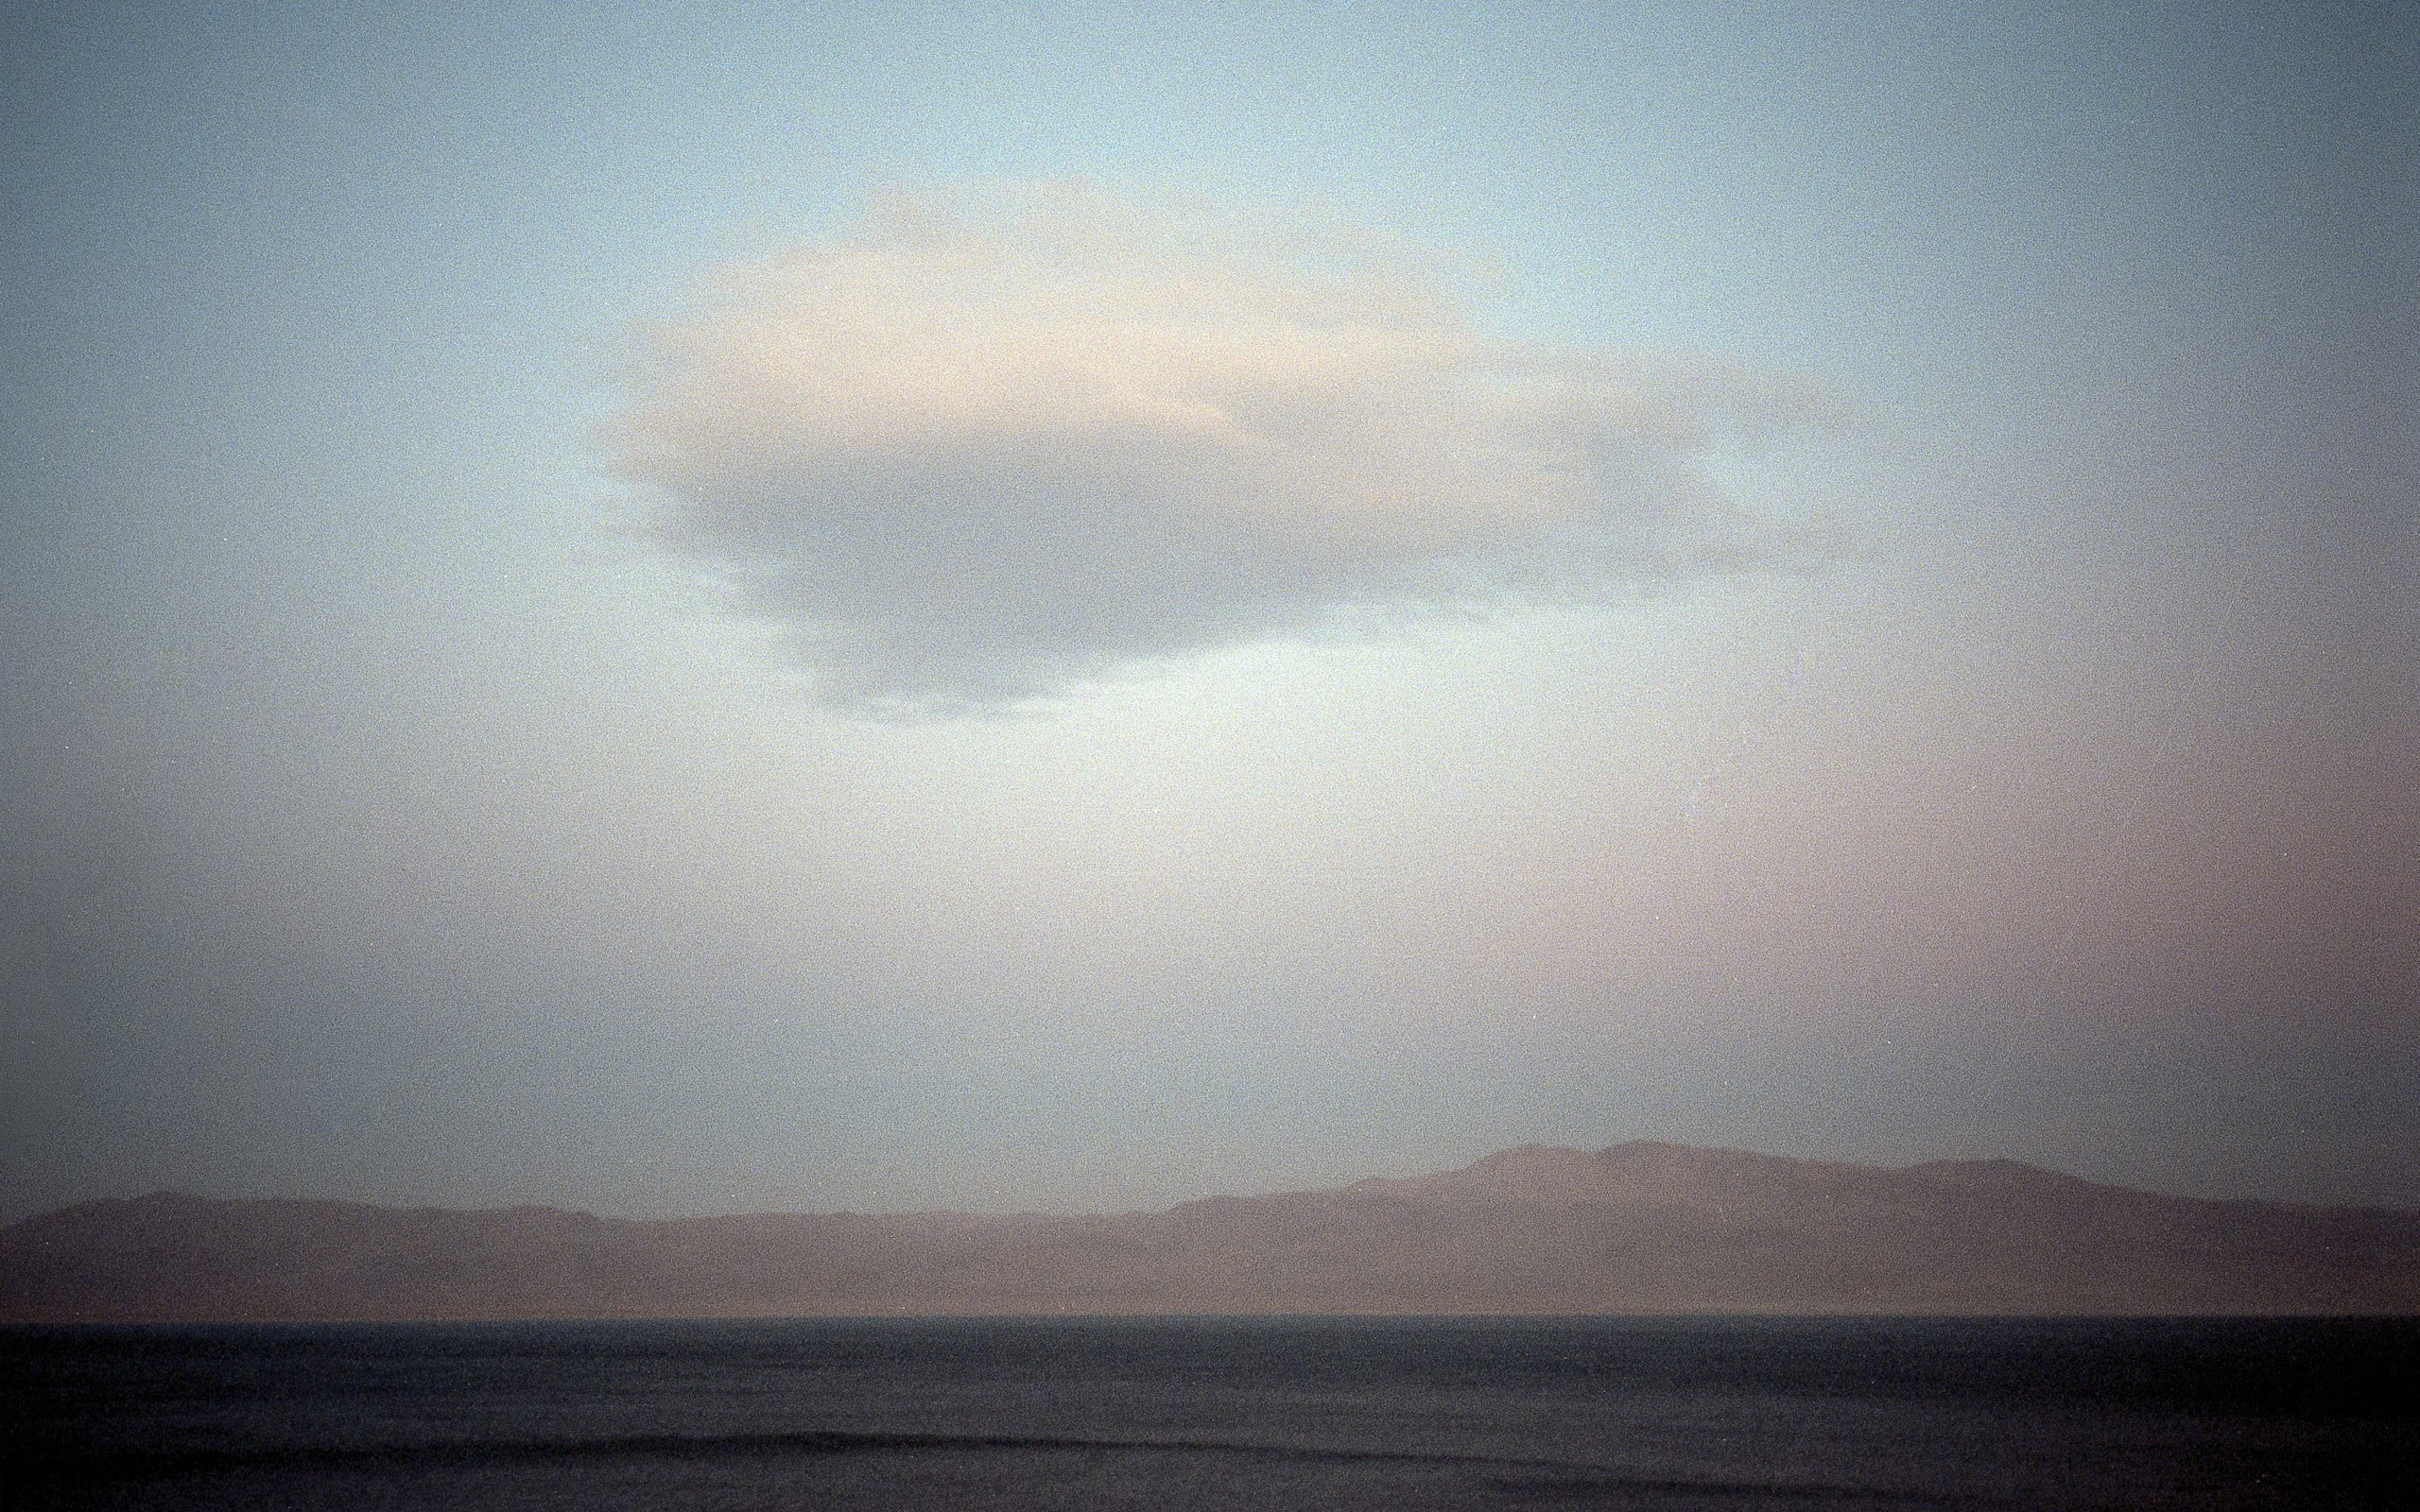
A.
pixel 698 608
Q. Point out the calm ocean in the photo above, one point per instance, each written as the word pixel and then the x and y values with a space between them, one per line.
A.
pixel 1177 1413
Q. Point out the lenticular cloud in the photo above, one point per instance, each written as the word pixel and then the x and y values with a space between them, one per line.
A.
pixel 981 445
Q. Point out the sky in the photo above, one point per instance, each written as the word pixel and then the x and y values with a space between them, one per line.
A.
pixel 683 609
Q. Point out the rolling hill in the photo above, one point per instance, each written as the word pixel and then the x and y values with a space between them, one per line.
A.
pixel 1638 1227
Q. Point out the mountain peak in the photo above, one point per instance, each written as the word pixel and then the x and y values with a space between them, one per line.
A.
pixel 1649 1171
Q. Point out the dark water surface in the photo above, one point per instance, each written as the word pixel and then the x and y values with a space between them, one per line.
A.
pixel 1181 1413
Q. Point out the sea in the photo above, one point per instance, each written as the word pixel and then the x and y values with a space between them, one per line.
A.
pixel 1177 1414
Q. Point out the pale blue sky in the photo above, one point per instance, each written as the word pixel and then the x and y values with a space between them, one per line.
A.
pixel 386 814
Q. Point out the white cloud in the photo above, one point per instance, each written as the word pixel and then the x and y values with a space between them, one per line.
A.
pixel 988 442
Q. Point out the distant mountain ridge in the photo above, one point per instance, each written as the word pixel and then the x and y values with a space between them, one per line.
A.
pixel 1638 1228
